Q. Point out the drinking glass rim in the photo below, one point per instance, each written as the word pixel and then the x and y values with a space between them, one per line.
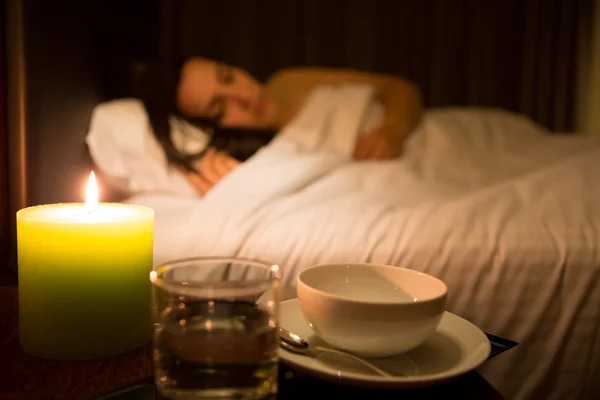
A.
pixel 158 281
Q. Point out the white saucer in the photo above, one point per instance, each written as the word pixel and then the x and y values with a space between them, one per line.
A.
pixel 457 347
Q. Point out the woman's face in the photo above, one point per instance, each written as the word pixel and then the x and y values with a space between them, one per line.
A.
pixel 228 94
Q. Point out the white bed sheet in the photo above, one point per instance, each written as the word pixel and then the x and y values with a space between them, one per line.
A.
pixel 506 216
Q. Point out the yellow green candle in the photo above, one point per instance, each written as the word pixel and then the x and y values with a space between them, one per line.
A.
pixel 83 279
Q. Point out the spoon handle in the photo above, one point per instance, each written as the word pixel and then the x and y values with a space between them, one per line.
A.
pixel 355 358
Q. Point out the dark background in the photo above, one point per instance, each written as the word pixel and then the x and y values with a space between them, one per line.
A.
pixel 60 58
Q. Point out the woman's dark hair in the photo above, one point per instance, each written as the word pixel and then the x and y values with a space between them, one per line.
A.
pixel 155 84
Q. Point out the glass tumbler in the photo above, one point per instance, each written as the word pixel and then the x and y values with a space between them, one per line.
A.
pixel 215 328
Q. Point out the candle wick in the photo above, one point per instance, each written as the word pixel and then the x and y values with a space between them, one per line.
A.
pixel 91 211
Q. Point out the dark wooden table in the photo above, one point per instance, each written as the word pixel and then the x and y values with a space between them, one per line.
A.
pixel 23 376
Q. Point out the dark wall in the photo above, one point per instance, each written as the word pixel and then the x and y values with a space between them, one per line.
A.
pixel 4 232
pixel 515 54
pixel 71 47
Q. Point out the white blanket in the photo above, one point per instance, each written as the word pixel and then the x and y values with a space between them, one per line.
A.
pixel 330 121
pixel 508 217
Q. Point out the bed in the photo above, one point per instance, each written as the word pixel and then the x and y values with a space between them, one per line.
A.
pixel 487 200
pixel 519 262
pixel 487 196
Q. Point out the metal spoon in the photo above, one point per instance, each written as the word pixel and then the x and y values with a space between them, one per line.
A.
pixel 295 344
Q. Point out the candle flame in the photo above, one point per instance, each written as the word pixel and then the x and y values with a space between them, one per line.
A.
pixel 91 195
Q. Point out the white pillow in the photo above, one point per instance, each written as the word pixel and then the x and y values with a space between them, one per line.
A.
pixel 123 147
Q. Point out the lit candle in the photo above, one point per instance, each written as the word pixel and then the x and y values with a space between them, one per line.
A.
pixel 83 278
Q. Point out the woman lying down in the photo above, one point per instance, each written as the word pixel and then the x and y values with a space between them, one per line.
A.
pixel 228 100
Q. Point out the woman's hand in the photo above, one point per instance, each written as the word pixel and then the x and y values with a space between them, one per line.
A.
pixel 378 145
pixel 213 167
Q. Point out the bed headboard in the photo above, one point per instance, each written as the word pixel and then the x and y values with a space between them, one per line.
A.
pixel 519 55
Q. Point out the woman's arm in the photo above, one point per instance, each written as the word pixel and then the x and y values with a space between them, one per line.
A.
pixel 401 98
pixel 213 166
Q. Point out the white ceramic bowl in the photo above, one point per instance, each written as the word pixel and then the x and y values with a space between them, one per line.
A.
pixel 371 310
